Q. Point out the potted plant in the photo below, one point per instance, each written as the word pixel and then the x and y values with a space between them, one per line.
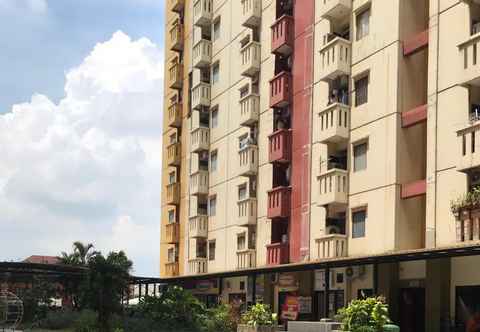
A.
pixel 258 318
pixel 367 315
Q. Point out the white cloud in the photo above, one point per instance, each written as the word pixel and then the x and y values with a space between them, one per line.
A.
pixel 87 168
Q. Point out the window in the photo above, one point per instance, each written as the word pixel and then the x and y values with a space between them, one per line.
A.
pixel 215 73
pixel 360 157
pixel 214 116
pixel 358 223
pixel 216 29
pixel 172 178
pixel 171 255
pixel 363 24
pixel 211 250
pixel 213 161
pixel 242 192
pixel 361 91
pixel 212 206
pixel 241 241
pixel 171 216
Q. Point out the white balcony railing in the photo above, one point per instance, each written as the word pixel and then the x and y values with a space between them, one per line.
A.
pixel 198 226
pixel 335 9
pixel 250 55
pixel 335 59
pixel 200 139
pixel 202 53
pixel 333 187
pixel 247 212
pixel 199 183
pixel 201 94
pixel 246 259
pixel 249 109
pixel 469 147
pixel 248 160
pixel 198 266
pixel 251 13
pixel 332 246
pixel 334 123
pixel 202 12
pixel 470 60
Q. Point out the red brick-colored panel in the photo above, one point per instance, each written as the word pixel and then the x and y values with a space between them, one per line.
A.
pixel 283 35
pixel 415 43
pixel 414 116
pixel 414 189
pixel 277 253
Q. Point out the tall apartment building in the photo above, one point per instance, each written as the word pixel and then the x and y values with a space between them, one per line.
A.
pixel 306 132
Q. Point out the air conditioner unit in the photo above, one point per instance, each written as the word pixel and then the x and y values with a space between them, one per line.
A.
pixel 332 230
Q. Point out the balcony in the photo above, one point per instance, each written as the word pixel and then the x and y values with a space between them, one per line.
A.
pixel 176 37
pixel 332 246
pixel 334 123
pixel 248 160
pixel 333 187
pixel 173 193
pixel 468 147
pixel 415 43
pixel 246 259
pixel 174 118
pixel 171 269
pixel 335 9
pixel 279 202
pixel 174 154
pixel 200 139
pixel 468 224
pixel 281 90
pixel 177 5
pixel 277 254
pixel 282 35
pixel 249 109
pixel 414 189
pixel 201 96
pixel 247 212
pixel 197 266
pixel 199 183
pixel 202 13
pixel 172 232
pixel 202 53
pixel 470 75
pixel 251 56
pixel 280 146
pixel 335 59
pixel 251 13
pixel 198 227
pixel 175 75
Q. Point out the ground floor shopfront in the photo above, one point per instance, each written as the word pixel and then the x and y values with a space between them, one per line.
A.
pixel 437 294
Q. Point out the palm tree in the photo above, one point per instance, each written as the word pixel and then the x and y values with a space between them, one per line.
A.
pixel 84 252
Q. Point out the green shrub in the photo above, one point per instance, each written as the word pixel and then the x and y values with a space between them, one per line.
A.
pixel 220 318
pixel 86 322
pixel 368 315
pixel 58 320
pixel 259 315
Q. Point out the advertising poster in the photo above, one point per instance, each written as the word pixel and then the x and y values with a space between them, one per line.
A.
pixel 290 308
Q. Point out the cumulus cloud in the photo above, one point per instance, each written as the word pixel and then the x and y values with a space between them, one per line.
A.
pixel 87 168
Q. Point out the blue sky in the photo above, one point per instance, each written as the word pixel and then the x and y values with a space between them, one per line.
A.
pixel 38 47
pixel 81 86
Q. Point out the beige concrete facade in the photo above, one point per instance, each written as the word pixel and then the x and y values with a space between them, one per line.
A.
pixel 390 156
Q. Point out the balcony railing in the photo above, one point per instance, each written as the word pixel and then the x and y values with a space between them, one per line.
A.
pixel 251 13
pixel 251 56
pixel 177 5
pixel 334 123
pixel 202 53
pixel 199 183
pixel 176 37
pixel 335 59
pixel 175 115
pixel 200 139
pixel 171 269
pixel 468 225
pixel 470 60
pixel 469 147
pixel 281 90
pixel 172 232
pixel 283 35
pixel 335 9
pixel 279 202
pixel 248 160
pixel 277 253
pixel 249 109
pixel 246 259
pixel 175 74
pixel 247 212
pixel 202 12
pixel 174 154
pixel 201 96
pixel 280 146
pixel 198 266
pixel 198 226
pixel 173 193
pixel 333 187
pixel 332 246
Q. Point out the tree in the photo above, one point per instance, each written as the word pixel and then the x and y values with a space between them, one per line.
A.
pixel 81 255
pixel 107 281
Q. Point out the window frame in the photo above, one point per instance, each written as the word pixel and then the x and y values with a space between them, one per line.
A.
pixel 361 30
pixel 212 212
pixel 211 257
pixel 361 92
pixel 214 119
pixel 355 223
pixel 213 165
pixel 216 28
pixel 216 73
pixel 355 146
